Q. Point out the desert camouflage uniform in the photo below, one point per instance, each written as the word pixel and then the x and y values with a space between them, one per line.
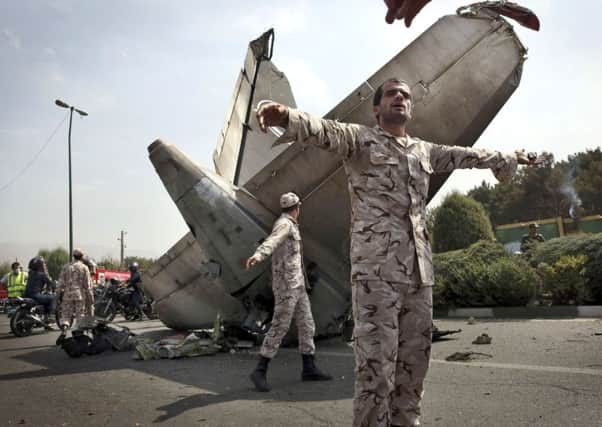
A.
pixel 288 285
pixel 391 260
pixel 75 288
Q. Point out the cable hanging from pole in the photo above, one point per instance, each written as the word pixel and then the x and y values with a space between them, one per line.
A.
pixel 34 158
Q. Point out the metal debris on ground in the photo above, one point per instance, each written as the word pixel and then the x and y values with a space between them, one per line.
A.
pixel 482 339
pixel 221 338
pixel 466 356
pixel 471 320
pixel 439 334
pixel 173 348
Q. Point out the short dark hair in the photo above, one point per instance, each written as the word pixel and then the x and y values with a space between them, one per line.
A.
pixel 15 265
pixel 378 94
pixel 290 208
pixel 78 255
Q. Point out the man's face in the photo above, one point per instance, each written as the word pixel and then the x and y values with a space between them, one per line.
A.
pixel 532 231
pixel 395 105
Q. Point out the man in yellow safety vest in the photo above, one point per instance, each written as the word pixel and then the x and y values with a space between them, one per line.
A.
pixel 15 281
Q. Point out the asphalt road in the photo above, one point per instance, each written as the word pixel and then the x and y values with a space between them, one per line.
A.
pixel 540 373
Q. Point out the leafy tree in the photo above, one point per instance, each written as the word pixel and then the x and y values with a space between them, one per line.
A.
pixel 460 221
pixel 55 260
pixel 588 179
pixel 542 192
pixel 4 268
pixel 109 263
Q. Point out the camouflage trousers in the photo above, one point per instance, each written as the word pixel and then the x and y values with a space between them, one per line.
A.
pixel 392 345
pixel 73 310
pixel 289 304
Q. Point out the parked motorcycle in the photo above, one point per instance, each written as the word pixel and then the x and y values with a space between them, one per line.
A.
pixel 29 315
pixel 117 299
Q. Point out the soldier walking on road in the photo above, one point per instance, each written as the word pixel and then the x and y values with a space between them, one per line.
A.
pixel 290 294
pixel 388 174
pixel 75 293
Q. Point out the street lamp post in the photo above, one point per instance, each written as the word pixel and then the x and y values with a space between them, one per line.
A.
pixel 81 113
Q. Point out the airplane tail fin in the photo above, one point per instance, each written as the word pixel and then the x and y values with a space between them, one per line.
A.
pixel 242 149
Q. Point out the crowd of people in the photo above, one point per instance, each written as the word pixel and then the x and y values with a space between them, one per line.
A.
pixel 72 294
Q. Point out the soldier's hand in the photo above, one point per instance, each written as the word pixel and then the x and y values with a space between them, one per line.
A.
pixel 272 114
pixel 530 159
pixel 251 262
pixel 403 9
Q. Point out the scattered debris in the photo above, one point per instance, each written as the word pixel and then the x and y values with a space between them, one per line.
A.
pixel 466 356
pixel 482 339
pixel 597 334
pixel 438 334
pixel 471 320
pixel 173 348
pixel 221 338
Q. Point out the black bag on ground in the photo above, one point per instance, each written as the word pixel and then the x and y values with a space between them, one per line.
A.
pixel 76 345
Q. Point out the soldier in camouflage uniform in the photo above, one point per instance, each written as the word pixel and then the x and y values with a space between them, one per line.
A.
pixel 531 240
pixel 75 292
pixel 290 294
pixel 388 175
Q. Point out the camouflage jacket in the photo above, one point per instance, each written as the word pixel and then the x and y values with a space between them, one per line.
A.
pixel 75 283
pixel 284 244
pixel 527 242
pixel 388 179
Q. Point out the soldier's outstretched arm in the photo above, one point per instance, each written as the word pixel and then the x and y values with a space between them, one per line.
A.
pixel 279 233
pixel 304 128
pixel 444 158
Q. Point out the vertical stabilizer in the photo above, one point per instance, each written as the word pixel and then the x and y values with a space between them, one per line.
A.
pixel 242 149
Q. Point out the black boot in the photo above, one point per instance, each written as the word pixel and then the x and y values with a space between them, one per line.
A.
pixel 258 376
pixel 310 371
pixel 61 337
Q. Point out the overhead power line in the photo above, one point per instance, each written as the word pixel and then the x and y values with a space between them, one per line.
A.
pixel 34 158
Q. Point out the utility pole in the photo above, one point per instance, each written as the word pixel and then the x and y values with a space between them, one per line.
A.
pixel 123 246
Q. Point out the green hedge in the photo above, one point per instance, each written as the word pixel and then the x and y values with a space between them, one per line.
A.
pixel 482 275
pixel 564 281
pixel 590 246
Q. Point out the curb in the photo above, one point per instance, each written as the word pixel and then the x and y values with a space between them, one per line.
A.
pixel 591 311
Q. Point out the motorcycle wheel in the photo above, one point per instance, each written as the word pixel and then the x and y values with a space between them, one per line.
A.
pixel 105 310
pixel 20 325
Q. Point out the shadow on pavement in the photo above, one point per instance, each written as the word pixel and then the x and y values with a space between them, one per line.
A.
pixel 224 375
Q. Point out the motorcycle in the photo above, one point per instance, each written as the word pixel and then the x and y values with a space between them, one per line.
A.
pixel 29 314
pixel 117 299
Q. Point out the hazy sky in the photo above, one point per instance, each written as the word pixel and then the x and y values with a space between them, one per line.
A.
pixel 148 69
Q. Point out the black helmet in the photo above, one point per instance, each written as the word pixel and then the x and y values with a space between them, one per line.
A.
pixel 37 264
pixel 134 266
pixel 115 281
